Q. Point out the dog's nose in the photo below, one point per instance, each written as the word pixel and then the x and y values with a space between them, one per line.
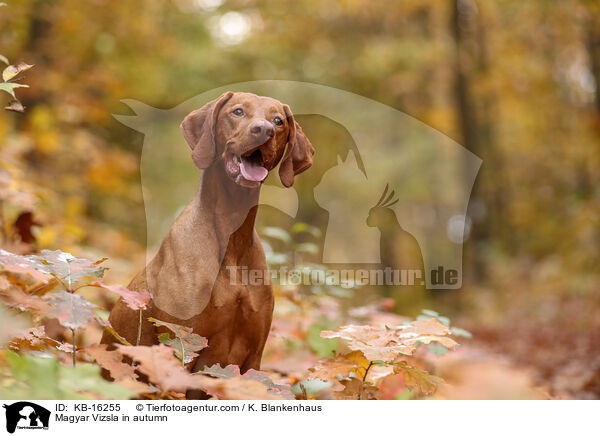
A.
pixel 262 129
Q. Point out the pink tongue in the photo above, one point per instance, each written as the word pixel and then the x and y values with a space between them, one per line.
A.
pixel 252 171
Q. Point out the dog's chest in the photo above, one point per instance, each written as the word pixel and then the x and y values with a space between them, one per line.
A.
pixel 237 286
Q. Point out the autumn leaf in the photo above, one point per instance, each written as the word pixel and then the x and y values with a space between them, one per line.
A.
pixel 23 264
pixel 242 389
pixel 374 342
pixel 68 267
pixel 350 365
pixel 331 369
pixel 65 348
pixel 162 368
pixel 57 263
pixel 12 71
pixel 11 325
pixel 283 391
pixel 109 328
pixel 429 326
pixel 18 299
pixel 355 389
pixel 135 300
pixel 112 361
pixel 34 338
pixel 15 106
pixel 418 378
pixel 387 344
pixel 186 343
pixel 340 367
pixel 72 310
pixel 217 371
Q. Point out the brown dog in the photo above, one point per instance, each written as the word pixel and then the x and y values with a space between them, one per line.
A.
pixel 237 139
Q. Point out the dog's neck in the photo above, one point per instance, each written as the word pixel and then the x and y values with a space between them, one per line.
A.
pixel 215 229
pixel 227 207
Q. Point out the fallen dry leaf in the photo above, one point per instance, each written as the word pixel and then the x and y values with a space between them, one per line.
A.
pixel 111 361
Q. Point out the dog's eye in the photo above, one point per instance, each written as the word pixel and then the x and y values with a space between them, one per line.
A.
pixel 278 121
pixel 238 111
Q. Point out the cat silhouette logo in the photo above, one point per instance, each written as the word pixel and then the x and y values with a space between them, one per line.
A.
pixel 26 415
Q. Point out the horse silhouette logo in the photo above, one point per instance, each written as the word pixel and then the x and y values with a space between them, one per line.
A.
pixel 26 415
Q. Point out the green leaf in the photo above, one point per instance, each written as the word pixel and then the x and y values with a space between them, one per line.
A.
pixel 311 386
pixel 461 332
pixel 437 349
pixel 277 233
pixel 86 377
pixel 444 320
pixel 43 378
pixel 186 343
pixel 407 394
pixel 432 313
pixel 307 247
pixel 276 258
pixel 306 228
pixel 38 374
pixel 321 346
pixel 10 88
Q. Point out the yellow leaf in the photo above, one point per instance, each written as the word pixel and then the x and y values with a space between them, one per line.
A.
pixel 14 70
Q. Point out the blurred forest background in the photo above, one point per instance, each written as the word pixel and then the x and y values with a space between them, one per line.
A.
pixel 517 83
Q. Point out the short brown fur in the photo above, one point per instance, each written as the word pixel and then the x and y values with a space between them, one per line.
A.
pixel 217 224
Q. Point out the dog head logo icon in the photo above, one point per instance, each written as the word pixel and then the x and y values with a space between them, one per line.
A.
pixel 26 415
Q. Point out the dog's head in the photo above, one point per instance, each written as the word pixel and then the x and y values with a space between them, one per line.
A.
pixel 248 134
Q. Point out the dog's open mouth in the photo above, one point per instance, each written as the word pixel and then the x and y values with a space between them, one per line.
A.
pixel 251 166
pixel 248 167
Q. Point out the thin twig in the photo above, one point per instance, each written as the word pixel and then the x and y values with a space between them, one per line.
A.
pixel 2 224
pixel 367 371
pixel 304 394
pixel 182 351
pixel 74 347
pixel 43 285
pixel 364 379
pixel 139 336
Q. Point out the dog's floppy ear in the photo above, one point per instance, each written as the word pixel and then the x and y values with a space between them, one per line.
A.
pixel 299 153
pixel 198 129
